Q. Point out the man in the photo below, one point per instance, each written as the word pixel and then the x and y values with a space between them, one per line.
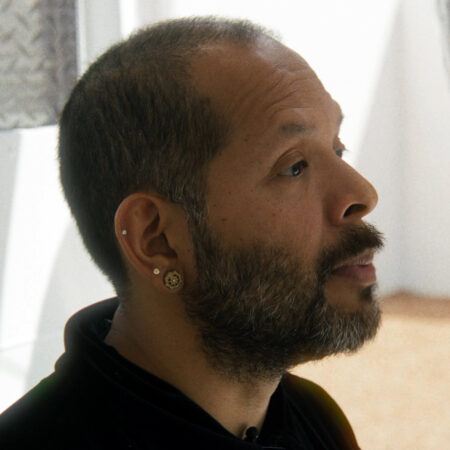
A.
pixel 202 163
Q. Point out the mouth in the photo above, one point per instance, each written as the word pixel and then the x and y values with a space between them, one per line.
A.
pixel 359 269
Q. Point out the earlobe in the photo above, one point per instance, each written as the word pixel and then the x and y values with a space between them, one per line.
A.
pixel 173 280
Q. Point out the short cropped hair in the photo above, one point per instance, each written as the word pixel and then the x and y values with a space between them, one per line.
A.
pixel 135 122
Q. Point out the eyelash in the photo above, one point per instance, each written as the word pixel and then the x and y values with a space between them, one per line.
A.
pixel 303 164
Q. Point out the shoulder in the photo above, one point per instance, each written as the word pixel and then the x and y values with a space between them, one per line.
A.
pixel 309 391
pixel 321 409
pixel 39 419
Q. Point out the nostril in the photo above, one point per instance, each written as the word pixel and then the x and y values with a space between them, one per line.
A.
pixel 356 208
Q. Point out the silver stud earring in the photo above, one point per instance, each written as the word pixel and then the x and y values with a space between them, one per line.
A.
pixel 156 271
pixel 124 232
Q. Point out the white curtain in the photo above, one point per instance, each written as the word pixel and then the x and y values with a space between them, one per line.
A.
pixel 38 64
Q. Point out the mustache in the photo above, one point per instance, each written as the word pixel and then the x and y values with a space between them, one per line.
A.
pixel 353 241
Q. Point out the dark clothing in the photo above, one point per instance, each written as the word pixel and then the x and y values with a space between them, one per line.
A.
pixel 96 399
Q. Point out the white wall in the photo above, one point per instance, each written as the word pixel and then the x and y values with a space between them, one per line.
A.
pixel 426 168
pixel 45 273
pixel 381 60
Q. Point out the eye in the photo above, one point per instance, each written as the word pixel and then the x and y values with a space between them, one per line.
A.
pixel 340 152
pixel 295 170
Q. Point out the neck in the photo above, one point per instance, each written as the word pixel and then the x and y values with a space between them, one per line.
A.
pixel 163 343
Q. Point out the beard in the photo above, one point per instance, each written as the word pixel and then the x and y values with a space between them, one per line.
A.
pixel 259 311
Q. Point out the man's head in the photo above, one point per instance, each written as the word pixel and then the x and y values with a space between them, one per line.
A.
pixel 217 148
pixel 136 122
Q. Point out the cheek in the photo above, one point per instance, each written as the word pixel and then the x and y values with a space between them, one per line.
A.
pixel 293 224
pixel 234 213
pixel 300 230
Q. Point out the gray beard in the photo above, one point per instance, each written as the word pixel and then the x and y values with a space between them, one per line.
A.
pixel 259 312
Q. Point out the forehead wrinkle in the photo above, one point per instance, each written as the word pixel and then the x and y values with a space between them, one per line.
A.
pixel 251 98
pixel 245 105
pixel 241 105
pixel 277 102
pixel 292 86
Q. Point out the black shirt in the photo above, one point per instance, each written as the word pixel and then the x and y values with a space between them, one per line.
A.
pixel 96 399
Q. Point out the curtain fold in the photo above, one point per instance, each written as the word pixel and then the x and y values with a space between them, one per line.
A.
pixel 38 60
pixel 444 9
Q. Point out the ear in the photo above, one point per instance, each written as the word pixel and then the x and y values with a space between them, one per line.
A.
pixel 141 223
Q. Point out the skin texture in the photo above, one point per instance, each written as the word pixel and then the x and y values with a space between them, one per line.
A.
pixel 252 195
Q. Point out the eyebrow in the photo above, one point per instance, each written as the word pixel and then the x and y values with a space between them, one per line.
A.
pixel 294 128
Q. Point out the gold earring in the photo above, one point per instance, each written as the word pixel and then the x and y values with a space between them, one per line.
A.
pixel 173 280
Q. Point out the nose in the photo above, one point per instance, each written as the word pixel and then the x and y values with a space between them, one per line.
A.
pixel 352 197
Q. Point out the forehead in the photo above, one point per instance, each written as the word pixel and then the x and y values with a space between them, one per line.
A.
pixel 261 87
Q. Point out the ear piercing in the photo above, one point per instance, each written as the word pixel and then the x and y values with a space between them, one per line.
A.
pixel 173 280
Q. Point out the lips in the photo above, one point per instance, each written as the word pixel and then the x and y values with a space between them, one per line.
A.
pixel 359 269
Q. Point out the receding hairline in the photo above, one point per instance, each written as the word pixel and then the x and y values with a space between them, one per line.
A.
pixel 146 79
